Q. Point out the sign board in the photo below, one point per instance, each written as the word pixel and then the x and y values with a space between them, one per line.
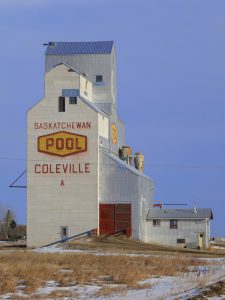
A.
pixel 62 143
pixel 114 133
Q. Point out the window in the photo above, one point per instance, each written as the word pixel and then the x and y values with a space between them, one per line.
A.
pixel 156 223
pixel 99 78
pixel 180 241
pixel 73 100
pixel 64 232
pixel 61 106
pixel 173 224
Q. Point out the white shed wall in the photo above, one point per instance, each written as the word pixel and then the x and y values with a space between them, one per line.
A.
pixel 186 229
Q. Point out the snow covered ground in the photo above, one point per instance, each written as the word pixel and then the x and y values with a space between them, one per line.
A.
pixel 156 288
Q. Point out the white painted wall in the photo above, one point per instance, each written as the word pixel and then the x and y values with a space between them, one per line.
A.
pixel 92 65
pixel 86 88
pixel 50 205
pixel 103 126
pixel 186 229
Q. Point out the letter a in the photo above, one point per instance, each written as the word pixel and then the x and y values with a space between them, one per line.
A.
pixel 62 183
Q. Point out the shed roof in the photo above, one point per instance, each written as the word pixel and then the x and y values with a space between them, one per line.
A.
pixel 160 213
pixel 93 106
pixel 120 163
pixel 106 107
pixel 70 48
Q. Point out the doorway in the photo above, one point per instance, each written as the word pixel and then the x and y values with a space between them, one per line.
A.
pixel 201 243
pixel 114 218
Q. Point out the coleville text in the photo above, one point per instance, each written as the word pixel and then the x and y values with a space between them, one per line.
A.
pixel 62 168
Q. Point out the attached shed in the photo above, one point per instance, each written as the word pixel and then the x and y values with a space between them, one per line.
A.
pixel 189 228
pixel 125 193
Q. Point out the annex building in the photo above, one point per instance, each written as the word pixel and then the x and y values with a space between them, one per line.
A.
pixel 80 173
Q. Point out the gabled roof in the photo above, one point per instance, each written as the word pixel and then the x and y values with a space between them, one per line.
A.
pixel 160 213
pixel 70 48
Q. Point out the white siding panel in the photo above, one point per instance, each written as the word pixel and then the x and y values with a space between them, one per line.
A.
pixel 103 126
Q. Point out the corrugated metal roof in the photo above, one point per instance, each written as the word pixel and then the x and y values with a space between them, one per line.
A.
pixel 160 213
pixel 93 106
pixel 70 48
pixel 106 107
pixel 124 165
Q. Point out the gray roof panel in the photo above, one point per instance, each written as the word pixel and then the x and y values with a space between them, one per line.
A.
pixel 160 213
pixel 71 48
pixel 124 165
pixel 93 106
pixel 106 107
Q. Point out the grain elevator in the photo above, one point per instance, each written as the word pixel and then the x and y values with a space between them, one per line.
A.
pixel 80 173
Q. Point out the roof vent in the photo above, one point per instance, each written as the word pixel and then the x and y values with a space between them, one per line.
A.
pixel 139 161
pixel 52 44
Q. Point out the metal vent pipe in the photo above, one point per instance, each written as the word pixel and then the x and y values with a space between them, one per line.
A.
pixel 139 161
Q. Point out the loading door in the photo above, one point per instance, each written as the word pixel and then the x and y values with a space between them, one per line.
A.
pixel 114 218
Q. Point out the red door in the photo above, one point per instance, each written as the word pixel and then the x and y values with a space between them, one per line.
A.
pixel 114 218
pixel 107 219
pixel 123 218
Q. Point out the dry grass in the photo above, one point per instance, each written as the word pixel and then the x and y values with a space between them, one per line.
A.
pixel 125 245
pixel 34 269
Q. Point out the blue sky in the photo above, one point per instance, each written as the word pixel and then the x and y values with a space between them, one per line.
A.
pixel 171 91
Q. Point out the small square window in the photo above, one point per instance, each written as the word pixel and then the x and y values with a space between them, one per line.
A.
pixel 99 78
pixel 156 223
pixel 73 100
pixel 173 224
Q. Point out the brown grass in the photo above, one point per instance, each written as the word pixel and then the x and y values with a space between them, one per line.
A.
pixel 122 244
pixel 34 269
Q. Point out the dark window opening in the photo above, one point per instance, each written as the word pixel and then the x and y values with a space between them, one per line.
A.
pixel 201 235
pixel 62 105
pixel 99 78
pixel 73 100
pixel 173 224
pixel 180 241
pixel 64 232
pixel 156 223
